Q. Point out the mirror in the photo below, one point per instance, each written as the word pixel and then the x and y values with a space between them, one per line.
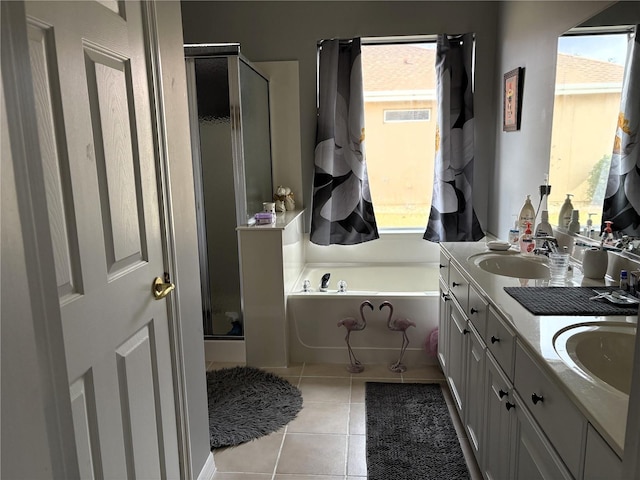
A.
pixel 590 67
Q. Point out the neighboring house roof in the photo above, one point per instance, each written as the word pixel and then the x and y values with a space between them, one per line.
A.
pixel 410 68
pixel 575 69
pixel 398 67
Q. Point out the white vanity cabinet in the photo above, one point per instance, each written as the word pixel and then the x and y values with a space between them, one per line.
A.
pixel 445 300
pixel 498 417
pixel 532 456
pixel 600 461
pixel 462 356
pixel 520 423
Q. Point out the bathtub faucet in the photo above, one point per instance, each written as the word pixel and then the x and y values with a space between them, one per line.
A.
pixel 324 284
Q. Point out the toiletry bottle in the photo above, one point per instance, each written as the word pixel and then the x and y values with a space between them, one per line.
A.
pixel 565 212
pixel 588 230
pixel 526 241
pixel 624 280
pixel 527 214
pixel 574 224
pixel 544 228
pixel 514 232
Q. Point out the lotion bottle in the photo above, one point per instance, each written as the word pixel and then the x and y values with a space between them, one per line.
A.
pixel 565 212
pixel 527 214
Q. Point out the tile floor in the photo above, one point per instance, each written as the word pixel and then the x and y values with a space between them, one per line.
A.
pixel 327 439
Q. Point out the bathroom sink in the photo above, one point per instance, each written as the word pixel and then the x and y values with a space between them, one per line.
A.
pixel 512 265
pixel 601 352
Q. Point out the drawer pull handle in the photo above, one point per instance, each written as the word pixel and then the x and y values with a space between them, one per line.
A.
pixel 454 284
pixel 465 331
pixel 502 393
pixel 494 339
pixel 442 266
pixel 536 398
pixel 473 310
pixel 509 405
pixel 445 297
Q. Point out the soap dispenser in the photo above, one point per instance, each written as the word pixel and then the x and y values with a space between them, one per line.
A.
pixel 527 214
pixel 526 241
pixel 565 212
pixel 607 234
pixel 574 225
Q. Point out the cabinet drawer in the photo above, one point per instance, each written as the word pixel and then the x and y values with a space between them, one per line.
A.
pixel 477 312
pixel 559 419
pixel 500 341
pixel 444 268
pixel 459 287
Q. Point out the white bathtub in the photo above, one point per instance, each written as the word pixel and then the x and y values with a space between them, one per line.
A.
pixel 314 336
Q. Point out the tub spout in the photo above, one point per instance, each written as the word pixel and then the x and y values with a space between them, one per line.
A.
pixel 324 284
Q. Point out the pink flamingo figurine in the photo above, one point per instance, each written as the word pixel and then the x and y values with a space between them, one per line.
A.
pixel 399 324
pixel 352 324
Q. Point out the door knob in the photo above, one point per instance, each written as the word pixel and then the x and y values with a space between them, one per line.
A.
pixel 161 289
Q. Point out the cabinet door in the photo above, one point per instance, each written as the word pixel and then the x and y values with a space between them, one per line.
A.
pixel 457 355
pixel 474 390
pixel 533 457
pixel 443 333
pixel 498 418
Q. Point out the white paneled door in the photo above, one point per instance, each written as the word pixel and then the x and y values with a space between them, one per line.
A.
pixel 95 123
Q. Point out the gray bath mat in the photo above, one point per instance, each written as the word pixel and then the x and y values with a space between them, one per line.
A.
pixel 246 403
pixel 567 301
pixel 410 435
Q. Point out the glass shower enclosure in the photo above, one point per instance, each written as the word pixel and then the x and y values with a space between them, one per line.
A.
pixel 231 148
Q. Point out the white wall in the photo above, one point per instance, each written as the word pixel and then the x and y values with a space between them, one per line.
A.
pixel 276 31
pixel 528 37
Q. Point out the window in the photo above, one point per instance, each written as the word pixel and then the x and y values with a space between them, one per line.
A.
pixel 400 97
pixel 416 115
pixel 587 102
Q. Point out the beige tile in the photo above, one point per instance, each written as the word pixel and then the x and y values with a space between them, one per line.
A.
pixel 357 455
pixel 358 388
pixel 258 456
pixel 308 477
pixel 219 365
pixel 317 389
pixel 376 372
pixel 242 476
pixel 325 370
pixel 290 371
pixel 315 454
pixel 323 417
pixel 357 419
pixel 428 372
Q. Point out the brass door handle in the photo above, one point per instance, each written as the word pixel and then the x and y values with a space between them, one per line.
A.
pixel 161 289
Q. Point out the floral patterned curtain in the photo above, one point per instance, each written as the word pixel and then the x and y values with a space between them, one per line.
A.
pixel 452 218
pixel 342 212
pixel 622 198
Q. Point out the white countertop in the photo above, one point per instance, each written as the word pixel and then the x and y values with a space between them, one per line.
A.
pixel 283 219
pixel 604 407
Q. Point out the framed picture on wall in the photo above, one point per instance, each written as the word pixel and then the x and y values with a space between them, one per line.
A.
pixel 512 95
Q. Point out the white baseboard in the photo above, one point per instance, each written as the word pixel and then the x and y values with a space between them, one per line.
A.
pixel 209 469
pixel 225 351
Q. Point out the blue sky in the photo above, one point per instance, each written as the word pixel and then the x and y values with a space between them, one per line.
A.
pixel 609 48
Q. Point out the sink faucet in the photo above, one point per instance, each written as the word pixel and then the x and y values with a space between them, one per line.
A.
pixel 549 245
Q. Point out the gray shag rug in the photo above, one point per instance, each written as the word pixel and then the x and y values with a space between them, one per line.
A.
pixel 410 434
pixel 246 403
